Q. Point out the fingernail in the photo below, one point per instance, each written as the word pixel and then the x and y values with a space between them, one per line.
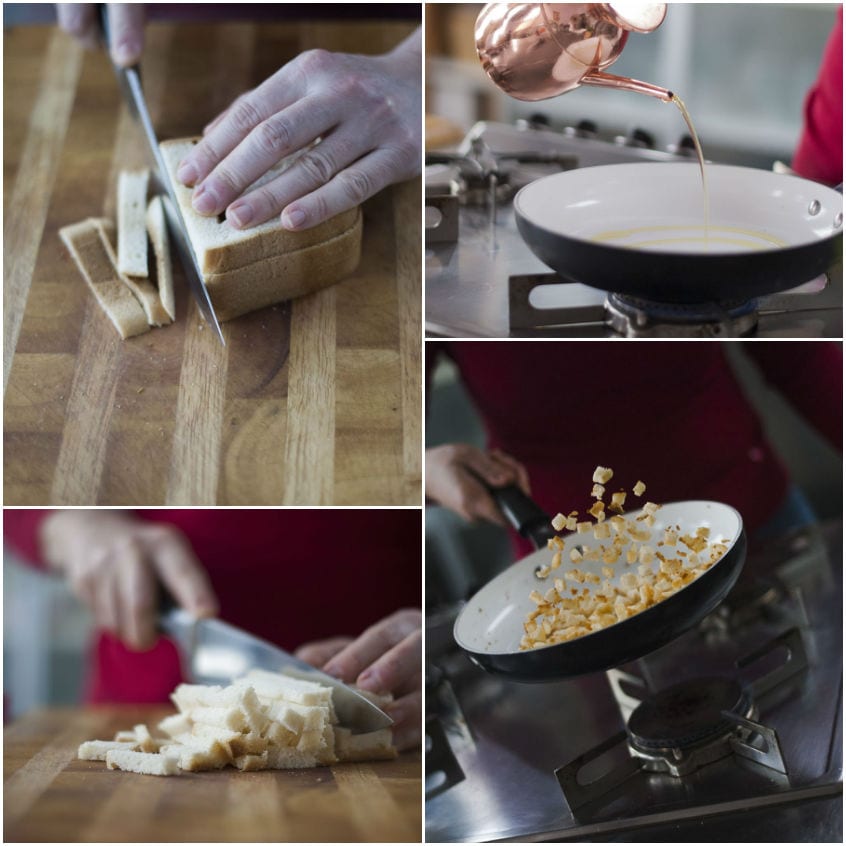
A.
pixel 127 52
pixel 204 201
pixel 240 214
pixel 293 218
pixel 186 173
pixel 332 670
pixel 369 680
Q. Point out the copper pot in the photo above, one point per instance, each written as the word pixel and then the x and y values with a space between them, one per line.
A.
pixel 533 51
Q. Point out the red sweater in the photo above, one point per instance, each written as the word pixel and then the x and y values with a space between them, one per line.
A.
pixel 819 154
pixel 289 576
pixel 669 413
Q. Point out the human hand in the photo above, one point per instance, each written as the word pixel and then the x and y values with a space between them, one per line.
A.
pixel 456 475
pixel 126 25
pixel 386 658
pixel 114 563
pixel 367 111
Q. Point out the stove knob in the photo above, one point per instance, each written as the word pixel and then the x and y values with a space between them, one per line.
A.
pixel 583 129
pixel 636 138
pixel 538 120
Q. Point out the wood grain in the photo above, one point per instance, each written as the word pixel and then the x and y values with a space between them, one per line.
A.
pixel 313 402
pixel 51 796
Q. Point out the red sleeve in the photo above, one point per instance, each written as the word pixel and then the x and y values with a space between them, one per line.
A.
pixel 20 531
pixel 819 154
pixel 810 376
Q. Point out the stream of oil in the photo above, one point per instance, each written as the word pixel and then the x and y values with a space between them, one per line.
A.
pixel 705 199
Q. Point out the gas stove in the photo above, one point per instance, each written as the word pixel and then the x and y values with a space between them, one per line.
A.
pixel 731 732
pixel 482 280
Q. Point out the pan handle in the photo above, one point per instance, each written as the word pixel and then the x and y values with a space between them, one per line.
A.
pixel 524 514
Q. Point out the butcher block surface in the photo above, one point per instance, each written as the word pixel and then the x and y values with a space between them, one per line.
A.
pixel 49 795
pixel 312 402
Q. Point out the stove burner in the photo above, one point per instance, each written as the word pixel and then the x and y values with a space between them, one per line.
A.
pixel 634 317
pixel 688 714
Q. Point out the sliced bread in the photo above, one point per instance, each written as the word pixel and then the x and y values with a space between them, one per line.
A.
pixel 89 251
pixel 220 247
pixel 145 763
pixel 157 230
pixel 132 230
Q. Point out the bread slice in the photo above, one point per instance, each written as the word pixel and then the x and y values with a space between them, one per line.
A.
pixel 96 750
pixel 220 247
pixel 157 230
pixel 370 746
pixel 142 762
pixel 132 231
pixel 286 276
pixel 89 251
pixel 144 290
pixel 175 724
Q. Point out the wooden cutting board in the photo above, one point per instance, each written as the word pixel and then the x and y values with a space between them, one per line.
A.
pixel 49 795
pixel 313 402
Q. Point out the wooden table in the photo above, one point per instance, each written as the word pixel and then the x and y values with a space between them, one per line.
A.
pixel 312 402
pixel 48 795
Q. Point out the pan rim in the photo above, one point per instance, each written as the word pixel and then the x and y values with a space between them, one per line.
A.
pixel 493 656
pixel 665 255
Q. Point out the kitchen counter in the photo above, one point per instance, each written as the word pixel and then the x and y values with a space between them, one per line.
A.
pixel 312 402
pixel 49 795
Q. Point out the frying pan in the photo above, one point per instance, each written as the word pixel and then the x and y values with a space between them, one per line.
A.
pixel 490 625
pixel 768 231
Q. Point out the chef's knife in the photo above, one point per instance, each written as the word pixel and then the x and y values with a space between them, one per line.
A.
pixel 215 652
pixel 130 83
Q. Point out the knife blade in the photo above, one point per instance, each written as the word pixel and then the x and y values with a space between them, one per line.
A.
pixel 215 652
pixel 129 80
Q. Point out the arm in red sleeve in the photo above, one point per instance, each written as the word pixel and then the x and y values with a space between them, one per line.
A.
pixel 819 154
pixel 21 529
pixel 810 376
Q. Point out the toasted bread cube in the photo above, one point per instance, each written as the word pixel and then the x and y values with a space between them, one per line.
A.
pixel 639 489
pixel 602 475
pixel 598 491
pixel 558 522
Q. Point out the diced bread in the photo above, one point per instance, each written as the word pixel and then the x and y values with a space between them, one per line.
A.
pixel 248 763
pixel 226 718
pixel 157 230
pixel 289 758
pixel 175 725
pixel 132 230
pixel 311 741
pixel 89 251
pixel 277 734
pixel 144 290
pixel 144 763
pixel 125 736
pixel 298 718
pixel 211 755
pixel 278 686
pixel 96 750
pixel 246 269
pixel 248 744
pixel 370 746
pixel 145 740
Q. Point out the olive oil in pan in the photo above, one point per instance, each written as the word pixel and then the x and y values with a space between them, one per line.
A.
pixel 741 240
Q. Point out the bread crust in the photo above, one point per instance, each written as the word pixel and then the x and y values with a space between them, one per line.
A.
pixel 287 275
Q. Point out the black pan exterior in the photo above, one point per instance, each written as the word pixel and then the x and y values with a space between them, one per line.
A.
pixel 627 640
pixel 679 277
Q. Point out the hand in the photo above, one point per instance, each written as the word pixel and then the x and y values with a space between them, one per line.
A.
pixel 365 108
pixel 114 562
pixel 385 659
pixel 453 474
pixel 126 22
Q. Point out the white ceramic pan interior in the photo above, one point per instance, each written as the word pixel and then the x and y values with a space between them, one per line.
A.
pixel 492 621
pixel 659 207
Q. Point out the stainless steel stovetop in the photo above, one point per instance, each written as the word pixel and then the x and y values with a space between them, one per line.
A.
pixel 487 283
pixel 493 746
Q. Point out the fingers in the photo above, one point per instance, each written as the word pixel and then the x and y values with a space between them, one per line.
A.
pixel 519 470
pixel 406 713
pixel 273 139
pixel 395 667
pixel 80 21
pixel 230 128
pixel 180 571
pixel 319 652
pixel 126 24
pixel 349 664
pixel 349 188
pixel 137 600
